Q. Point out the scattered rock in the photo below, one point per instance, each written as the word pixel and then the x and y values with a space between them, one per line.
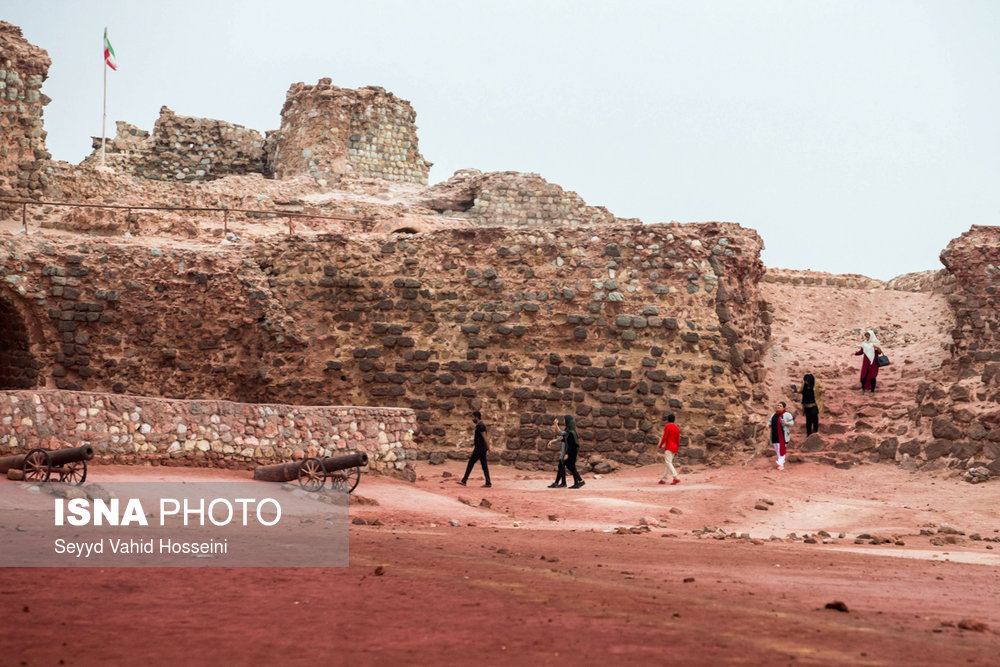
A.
pixel 973 624
pixel 379 571
pixel 466 501
pixel 485 503
pixel 455 522
pixel 836 605
pixel 358 521
pixel 761 506
pixel 553 517
pixel 688 580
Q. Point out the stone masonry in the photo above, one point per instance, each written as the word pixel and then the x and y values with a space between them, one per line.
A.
pixel 328 131
pixel 23 157
pixel 615 324
pixel 183 148
pixel 513 198
pixel 133 429
pixel 962 401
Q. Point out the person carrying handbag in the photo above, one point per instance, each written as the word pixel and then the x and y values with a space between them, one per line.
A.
pixel 870 352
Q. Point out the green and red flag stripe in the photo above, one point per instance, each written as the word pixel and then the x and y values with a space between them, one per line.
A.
pixel 109 53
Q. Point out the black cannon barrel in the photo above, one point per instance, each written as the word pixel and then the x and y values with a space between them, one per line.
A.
pixel 59 457
pixel 289 472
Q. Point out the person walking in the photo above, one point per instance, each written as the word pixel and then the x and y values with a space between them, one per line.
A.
pixel 479 451
pixel 870 351
pixel 781 420
pixel 668 444
pixel 812 402
pixel 561 471
pixel 572 449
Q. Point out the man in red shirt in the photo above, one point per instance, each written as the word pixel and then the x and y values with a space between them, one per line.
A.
pixel 669 443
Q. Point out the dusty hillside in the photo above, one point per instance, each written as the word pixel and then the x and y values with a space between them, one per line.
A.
pixel 817 329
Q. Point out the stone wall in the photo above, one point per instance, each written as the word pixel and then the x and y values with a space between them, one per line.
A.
pixel 23 157
pixel 515 199
pixel 617 325
pixel 327 132
pixel 134 429
pixel 183 148
pixel 962 400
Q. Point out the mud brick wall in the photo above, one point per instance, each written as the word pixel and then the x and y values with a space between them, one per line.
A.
pixel 616 325
pixel 514 199
pixel 183 148
pixel 328 131
pixel 132 429
pixel 962 399
pixel 23 158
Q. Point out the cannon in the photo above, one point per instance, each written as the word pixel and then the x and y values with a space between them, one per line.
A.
pixel 344 472
pixel 39 464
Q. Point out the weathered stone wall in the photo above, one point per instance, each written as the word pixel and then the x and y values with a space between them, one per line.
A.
pixel 327 132
pixel 614 324
pixel 23 68
pixel 514 199
pixel 962 401
pixel 132 429
pixel 183 148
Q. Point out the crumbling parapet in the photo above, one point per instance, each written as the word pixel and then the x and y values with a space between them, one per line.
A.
pixel 328 132
pixel 183 148
pixel 512 198
pixel 23 157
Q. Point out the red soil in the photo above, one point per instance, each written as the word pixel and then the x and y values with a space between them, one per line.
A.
pixel 509 585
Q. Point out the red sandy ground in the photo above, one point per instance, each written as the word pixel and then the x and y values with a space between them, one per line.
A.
pixel 509 585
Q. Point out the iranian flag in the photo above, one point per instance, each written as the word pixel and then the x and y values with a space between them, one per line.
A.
pixel 109 53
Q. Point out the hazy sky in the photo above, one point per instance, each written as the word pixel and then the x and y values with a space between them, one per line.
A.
pixel 853 136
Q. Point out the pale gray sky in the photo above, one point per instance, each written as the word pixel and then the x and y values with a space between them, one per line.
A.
pixel 854 136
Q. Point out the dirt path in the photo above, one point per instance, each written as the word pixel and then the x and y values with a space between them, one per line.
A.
pixel 543 576
pixel 818 329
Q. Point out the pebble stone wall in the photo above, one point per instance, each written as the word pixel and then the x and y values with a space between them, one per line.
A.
pixel 183 148
pixel 134 429
pixel 23 156
pixel 328 131
pixel 513 198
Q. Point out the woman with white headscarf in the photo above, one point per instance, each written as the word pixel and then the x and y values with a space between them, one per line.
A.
pixel 870 351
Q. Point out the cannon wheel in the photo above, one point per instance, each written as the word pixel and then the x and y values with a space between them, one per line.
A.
pixel 74 473
pixel 312 474
pixel 345 480
pixel 37 466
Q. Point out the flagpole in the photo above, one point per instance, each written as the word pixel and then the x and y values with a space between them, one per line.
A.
pixel 104 107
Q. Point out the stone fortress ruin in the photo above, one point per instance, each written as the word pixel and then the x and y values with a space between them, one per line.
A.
pixel 498 292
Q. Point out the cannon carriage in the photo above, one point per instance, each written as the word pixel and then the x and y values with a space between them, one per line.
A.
pixel 38 465
pixel 344 472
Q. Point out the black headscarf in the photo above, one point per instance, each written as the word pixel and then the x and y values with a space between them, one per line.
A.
pixel 572 439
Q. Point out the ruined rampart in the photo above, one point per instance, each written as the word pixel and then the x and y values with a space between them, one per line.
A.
pixel 327 132
pixel 513 198
pixel 616 325
pixel 183 148
pixel 134 429
pixel 962 401
pixel 23 157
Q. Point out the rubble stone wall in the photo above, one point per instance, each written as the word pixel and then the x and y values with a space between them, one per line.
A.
pixel 514 199
pixel 616 325
pixel 328 131
pixel 962 400
pixel 23 69
pixel 131 429
pixel 183 148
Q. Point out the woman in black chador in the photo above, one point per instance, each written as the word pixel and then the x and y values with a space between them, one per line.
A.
pixel 572 448
pixel 810 403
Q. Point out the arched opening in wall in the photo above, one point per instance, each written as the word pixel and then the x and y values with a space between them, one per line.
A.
pixel 18 367
pixel 405 230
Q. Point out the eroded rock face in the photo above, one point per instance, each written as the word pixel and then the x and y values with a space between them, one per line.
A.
pixel 182 148
pixel 615 325
pixel 328 132
pixel 23 69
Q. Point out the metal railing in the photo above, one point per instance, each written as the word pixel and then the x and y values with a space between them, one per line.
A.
pixel 291 215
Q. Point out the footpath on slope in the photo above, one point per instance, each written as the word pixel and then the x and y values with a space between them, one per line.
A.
pixel 817 330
